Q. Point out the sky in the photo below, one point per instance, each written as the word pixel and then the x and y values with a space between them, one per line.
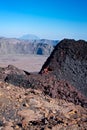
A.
pixel 50 19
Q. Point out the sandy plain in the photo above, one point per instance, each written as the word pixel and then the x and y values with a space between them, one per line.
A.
pixel 30 63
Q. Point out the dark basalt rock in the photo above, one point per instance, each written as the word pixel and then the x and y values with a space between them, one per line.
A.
pixel 68 61
pixel 12 70
pixel 17 80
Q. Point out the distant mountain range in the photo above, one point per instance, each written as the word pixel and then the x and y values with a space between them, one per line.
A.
pixel 26 46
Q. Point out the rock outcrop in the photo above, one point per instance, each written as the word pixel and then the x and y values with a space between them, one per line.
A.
pixel 68 61
pixel 10 69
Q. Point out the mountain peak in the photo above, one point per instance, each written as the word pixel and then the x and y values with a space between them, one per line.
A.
pixel 68 61
pixel 29 37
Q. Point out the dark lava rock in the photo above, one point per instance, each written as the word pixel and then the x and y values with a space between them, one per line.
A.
pixel 17 80
pixel 11 70
pixel 68 61
pixel 15 76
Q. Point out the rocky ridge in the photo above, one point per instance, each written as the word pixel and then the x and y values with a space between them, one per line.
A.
pixel 68 61
pixel 19 46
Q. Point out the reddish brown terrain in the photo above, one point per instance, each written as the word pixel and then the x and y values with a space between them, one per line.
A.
pixel 30 109
pixel 54 99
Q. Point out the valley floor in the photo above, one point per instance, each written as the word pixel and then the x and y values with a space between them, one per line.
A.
pixel 31 63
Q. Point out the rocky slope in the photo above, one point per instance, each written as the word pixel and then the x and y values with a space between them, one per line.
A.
pixel 48 83
pixel 68 61
pixel 17 46
pixel 30 109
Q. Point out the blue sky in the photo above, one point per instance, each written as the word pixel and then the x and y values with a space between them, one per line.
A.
pixel 51 19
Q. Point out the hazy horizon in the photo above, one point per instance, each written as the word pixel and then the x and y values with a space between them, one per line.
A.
pixel 46 19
